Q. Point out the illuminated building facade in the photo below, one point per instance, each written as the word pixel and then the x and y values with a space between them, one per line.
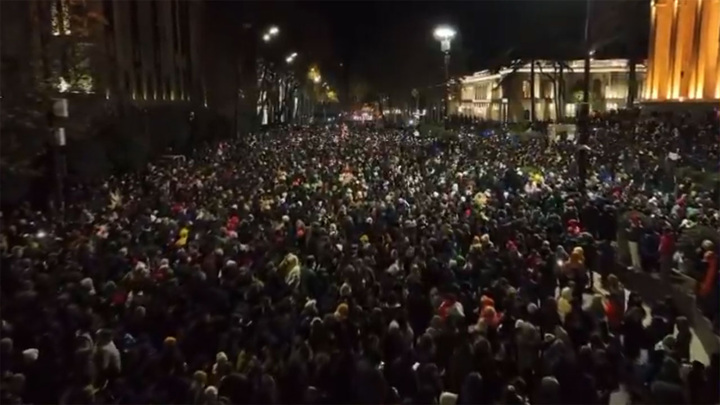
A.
pixel 684 57
pixel 156 48
pixel 506 95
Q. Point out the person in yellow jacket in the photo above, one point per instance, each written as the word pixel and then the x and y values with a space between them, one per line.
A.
pixel 290 271
pixel 183 237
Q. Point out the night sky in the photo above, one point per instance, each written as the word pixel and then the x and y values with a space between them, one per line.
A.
pixel 390 41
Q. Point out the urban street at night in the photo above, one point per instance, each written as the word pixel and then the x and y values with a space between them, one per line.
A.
pixel 360 202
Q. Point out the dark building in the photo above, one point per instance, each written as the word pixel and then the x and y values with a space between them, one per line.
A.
pixel 155 48
pixel 142 50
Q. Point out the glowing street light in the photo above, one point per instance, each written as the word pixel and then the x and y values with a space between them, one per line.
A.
pixel 445 34
pixel 317 79
pixel 271 32
pixel 291 57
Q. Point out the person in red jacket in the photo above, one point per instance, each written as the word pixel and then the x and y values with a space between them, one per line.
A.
pixel 666 251
pixel 573 228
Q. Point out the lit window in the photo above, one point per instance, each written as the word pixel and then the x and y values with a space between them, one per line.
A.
pixel 60 17
pixel 570 109
pixel 62 85
pixel 55 19
pixel 526 89
pixel 65 16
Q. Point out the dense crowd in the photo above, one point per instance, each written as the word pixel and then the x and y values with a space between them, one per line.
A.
pixel 315 265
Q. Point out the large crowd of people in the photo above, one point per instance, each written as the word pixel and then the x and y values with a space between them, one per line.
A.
pixel 320 265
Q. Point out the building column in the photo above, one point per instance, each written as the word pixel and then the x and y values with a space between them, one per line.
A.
pixel 660 64
pixel 647 91
pixel 717 77
pixel 694 62
pixel 709 61
pixel 683 61
pixel 672 76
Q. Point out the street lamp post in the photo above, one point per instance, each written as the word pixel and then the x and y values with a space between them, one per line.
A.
pixel 253 37
pixel 445 35
pixel 288 97
pixel 584 118
pixel 269 34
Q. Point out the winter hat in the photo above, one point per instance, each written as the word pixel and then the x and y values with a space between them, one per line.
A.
pixel 486 301
pixel 456 310
pixel 342 311
pixel 221 357
pixel 200 376
pixel 345 290
pixel 128 340
pixel 211 391
pixel 667 344
pixel 141 267
pixel 394 325
pixel 566 293
pixel 489 314
pixel 311 306
pixel 448 398
pixel 30 355
pixel 87 284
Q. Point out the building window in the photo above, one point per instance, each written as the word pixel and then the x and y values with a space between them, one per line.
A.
pixel 526 88
pixel 60 17
pixel 570 109
pixel 611 106
pixel 480 92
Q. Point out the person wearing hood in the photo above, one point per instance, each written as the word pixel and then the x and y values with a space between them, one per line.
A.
pixel 527 338
pixel 472 391
pixel 667 387
pixel 548 392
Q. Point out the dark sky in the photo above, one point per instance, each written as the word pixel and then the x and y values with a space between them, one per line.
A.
pixel 486 28
pixel 369 37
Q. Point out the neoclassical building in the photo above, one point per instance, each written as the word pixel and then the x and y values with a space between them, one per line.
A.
pixel 684 57
pixel 505 95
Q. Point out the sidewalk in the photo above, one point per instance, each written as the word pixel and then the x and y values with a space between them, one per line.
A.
pixel 652 290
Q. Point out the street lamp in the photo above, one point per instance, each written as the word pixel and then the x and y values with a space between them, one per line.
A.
pixel 445 35
pixel 291 57
pixel 271 32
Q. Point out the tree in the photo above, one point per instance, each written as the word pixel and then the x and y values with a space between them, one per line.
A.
pixel 622 26
pixel 514 65
pixel 56 60
pixel 359 90
pixel 532 52
pixel 557 77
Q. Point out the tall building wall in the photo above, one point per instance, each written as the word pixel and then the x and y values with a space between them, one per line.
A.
pixel 684 59
pixel 143 50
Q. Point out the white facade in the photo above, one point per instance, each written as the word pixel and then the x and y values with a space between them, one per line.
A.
pixel 505 95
